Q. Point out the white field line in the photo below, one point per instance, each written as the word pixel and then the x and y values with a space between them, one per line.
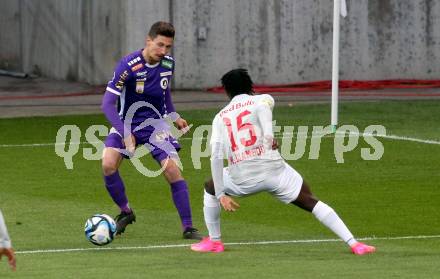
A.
pixel 278 136
pixel 394 137
pixel 227 244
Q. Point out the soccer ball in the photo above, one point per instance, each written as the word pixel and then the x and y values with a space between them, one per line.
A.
pixel 100 229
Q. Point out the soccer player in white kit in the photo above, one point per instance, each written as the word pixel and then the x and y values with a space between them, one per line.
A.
pixel 5 244
pixel 243 132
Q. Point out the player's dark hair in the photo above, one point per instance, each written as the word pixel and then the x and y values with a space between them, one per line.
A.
pixel 237 82
pixel 161 28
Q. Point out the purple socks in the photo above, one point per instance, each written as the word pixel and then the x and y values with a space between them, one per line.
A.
pixel 116 189
pixel 179 190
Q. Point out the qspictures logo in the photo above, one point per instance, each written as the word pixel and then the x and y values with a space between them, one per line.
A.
pixel 292 142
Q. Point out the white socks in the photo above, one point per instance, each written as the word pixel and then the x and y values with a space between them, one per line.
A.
pixel 211 211
pixel 326 215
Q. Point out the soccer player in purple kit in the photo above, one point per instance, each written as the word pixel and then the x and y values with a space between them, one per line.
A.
pixel 143 77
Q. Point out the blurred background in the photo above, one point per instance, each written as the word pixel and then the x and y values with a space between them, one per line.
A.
pixel 279 41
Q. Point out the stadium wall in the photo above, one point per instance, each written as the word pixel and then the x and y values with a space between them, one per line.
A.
pixel 282 41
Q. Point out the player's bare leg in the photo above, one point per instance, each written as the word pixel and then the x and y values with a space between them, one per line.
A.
pixel 10 254
pixel 179 191
pixel 111 160
pixel 327 216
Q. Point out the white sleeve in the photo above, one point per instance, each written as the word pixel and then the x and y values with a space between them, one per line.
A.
pixel 216 134
pixel 217 157
pixel 265 118
pixel 217 169
pixel 5 241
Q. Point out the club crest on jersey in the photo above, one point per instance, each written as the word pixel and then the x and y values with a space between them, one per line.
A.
pixel 166 64
pixel 164 83
pixel 140 86
pixel 268 102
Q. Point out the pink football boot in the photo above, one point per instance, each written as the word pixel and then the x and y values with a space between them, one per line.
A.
pixel 362 249
pixel 207 245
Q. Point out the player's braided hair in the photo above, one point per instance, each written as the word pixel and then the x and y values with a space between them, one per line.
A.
pixel 161 28
pixel 237 82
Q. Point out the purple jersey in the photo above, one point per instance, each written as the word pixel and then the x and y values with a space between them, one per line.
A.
pixel 135 80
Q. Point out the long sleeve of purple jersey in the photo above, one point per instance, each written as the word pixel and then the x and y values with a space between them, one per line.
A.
pixel 108 106
pixel 169 102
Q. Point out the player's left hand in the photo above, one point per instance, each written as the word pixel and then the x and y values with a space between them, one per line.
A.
pixel 9 252
pixel 228 203
pixel 270 142
pixel 182 125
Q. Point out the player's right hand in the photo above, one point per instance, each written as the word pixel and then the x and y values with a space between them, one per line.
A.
pixel 274 144
pixel 130 144
pixel 9 252
pixel 228 203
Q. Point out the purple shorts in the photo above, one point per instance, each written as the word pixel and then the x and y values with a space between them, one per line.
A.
pixel 161 144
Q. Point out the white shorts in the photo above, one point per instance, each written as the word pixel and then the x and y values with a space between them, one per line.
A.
pixel 285 186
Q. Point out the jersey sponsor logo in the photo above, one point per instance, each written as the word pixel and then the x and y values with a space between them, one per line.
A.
pixel 134 61
pixel 164 83
pixel 136 67
pixel 166 64
pixel 164 74
pixel 141 74
pixel 121 80
pixel 140 84
pixel 237 106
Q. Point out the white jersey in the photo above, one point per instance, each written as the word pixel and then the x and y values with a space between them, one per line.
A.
pixel 243 128
pixel 5 242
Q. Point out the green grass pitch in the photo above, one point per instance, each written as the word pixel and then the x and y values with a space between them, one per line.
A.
pixel 46 205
